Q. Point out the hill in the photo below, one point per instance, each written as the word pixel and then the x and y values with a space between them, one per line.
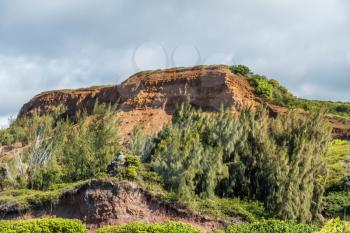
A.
pixel 208 145
pixel 150 97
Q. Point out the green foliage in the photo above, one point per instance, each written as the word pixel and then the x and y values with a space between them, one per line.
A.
pixel 62 151
pixel 45 225
pixel 227 208
pixel 240 69
pixel 343 108
pixel 337 204
pixel 277 161
pixel 338 163
pixel 139 143
pixel 271 226
pixel 337 197
pixel 6 138
pixel 24 198
pixel 131 168
pixel 279 95
pixel 186 165
pixel 86 149
pixel 335 226
pixel 167 227
pixel 262 86
pixel 26 129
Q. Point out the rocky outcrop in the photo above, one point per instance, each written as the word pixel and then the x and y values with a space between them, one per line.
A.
pixel 151 97
pixel 207 87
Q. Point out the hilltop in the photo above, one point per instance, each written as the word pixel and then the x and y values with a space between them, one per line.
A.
pixel 150 97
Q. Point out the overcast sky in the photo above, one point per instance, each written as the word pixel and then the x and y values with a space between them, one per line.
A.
pixel 54 44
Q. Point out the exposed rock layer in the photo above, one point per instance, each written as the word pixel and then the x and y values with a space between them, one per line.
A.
pixel 100 202
pixel 151 97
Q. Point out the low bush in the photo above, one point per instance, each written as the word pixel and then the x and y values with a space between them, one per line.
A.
pixel 61 150
pixel 338 164
pixel 45 225
pixel 337 204
pixel 335 226
pixel 167 227
pixel 271 226
pixel 277 94
pixel 345 108
pixel 25 198
pixel 262 86
pixel 240 69
pixel 226 208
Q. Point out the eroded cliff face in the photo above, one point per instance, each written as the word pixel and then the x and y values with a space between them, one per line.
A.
pixel 207 87
pixel 149 98
pixel 101 202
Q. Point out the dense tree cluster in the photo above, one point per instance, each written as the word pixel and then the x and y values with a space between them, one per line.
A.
pixel 277 161
pixel 248 155
pixel 60 150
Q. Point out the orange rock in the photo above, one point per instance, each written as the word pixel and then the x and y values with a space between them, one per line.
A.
pixel 151 97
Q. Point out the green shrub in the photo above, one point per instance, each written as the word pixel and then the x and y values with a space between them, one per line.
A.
pixel 272 226
pixel 338 164
pixel 240 69
pixel 262 86
pixel 279 95
pixel 6 137
pixel 343 108
pixel 63 151
pixel 226 208
pixel 243 156
pixel 24 198
pixel 131 168
pixel 45 225
pixel 167 227
pixel 335 226
pixel 336 204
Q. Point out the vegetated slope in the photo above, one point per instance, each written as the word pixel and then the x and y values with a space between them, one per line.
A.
pixel 150 97
pixel 108 201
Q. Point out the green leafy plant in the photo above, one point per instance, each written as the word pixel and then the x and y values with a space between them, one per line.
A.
pixel 62 150
pixel 227 208
pixel 335 226
pixel 271 226
pixel 57 225
pixel 167 227
pixel 240 69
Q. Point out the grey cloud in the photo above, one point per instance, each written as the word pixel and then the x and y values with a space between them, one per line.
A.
pixel 65 44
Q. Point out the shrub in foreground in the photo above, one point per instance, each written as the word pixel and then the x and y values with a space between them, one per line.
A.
pixel 335 226
pixel 167 227
pixel 272 226
pixel 45 225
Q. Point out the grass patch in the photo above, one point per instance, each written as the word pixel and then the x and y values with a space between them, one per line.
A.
pixel 167 227
pixel 337 197
pixel 57 225
pixel 271 226
pixel 273 91
pixel 338 162
pixel 227 208
pixel 25 198
pixel 337 204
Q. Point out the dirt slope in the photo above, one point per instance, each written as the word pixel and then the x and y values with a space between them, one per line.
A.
pixel 100 202
pixel 150 97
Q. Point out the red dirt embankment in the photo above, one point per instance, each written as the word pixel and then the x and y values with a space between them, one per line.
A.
pixel 101 202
